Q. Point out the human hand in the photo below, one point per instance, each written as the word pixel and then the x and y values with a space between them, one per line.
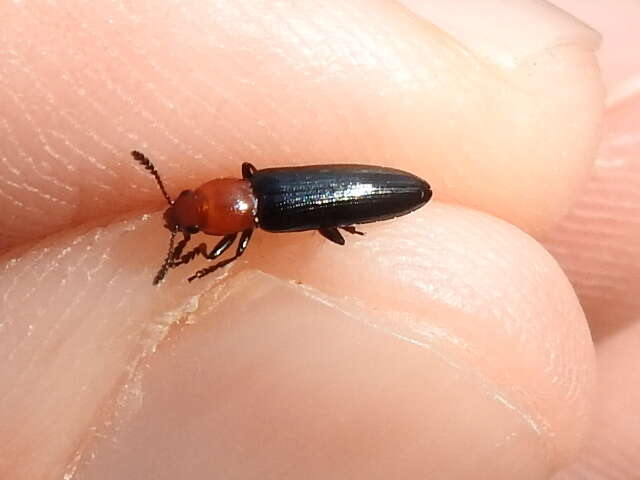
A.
pixel 446 342
pixel 597 245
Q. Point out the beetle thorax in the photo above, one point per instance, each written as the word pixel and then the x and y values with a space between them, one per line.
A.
pixel 228 205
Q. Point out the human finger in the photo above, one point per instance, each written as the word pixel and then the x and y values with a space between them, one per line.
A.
pixel 488 119
pixel 442 343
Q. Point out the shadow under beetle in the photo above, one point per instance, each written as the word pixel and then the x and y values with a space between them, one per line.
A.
pixel 326 198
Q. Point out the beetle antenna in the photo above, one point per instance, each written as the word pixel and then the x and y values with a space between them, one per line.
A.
pixel 146 163
pixel 167 261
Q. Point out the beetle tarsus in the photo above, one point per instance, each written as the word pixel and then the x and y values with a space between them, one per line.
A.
pixel 351 229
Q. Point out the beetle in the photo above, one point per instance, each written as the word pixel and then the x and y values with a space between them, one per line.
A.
pixel 326 198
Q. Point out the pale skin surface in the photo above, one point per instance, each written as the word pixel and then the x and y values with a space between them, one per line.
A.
pixel 440 345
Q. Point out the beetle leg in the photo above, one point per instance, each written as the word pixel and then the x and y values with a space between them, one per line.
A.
pixel 332 234
pixel 242 245
pixel 351 229
pixel 177 252
pixel 248 170
pixel 221 247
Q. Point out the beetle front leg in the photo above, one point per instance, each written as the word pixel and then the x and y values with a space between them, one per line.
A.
pixel 242 246
pixel 221 247
pixel 177 252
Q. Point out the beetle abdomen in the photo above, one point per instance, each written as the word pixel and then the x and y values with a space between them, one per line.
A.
pixel 306 198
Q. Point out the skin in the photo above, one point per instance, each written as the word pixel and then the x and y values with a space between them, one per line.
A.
pixel 597 245
pixel 441 344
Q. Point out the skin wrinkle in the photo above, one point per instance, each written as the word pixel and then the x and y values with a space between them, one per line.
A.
pixel 121 391
pixel 542 274
pixel 430 336
pixel 466 283
pixel 171 82
pixel 297 32
pixel 77 295
pixel 596 241
pixel 230 130
pixel 86 131
pixel 535 421
pixel 104 79
pixel 23 185
pixel 198 133
pixel 525 297
pixel 38 171
pixel 29 188
pixel 49 339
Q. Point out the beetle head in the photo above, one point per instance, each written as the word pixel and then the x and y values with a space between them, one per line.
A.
pixel 184 213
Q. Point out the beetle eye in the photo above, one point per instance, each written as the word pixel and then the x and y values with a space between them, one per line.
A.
pixel 193 229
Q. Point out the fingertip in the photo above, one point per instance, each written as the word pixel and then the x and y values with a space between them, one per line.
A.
pixel 272 378
pixel 445 331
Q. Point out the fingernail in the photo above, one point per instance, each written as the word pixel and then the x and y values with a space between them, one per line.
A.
pixel 275 380
pixel 505 32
